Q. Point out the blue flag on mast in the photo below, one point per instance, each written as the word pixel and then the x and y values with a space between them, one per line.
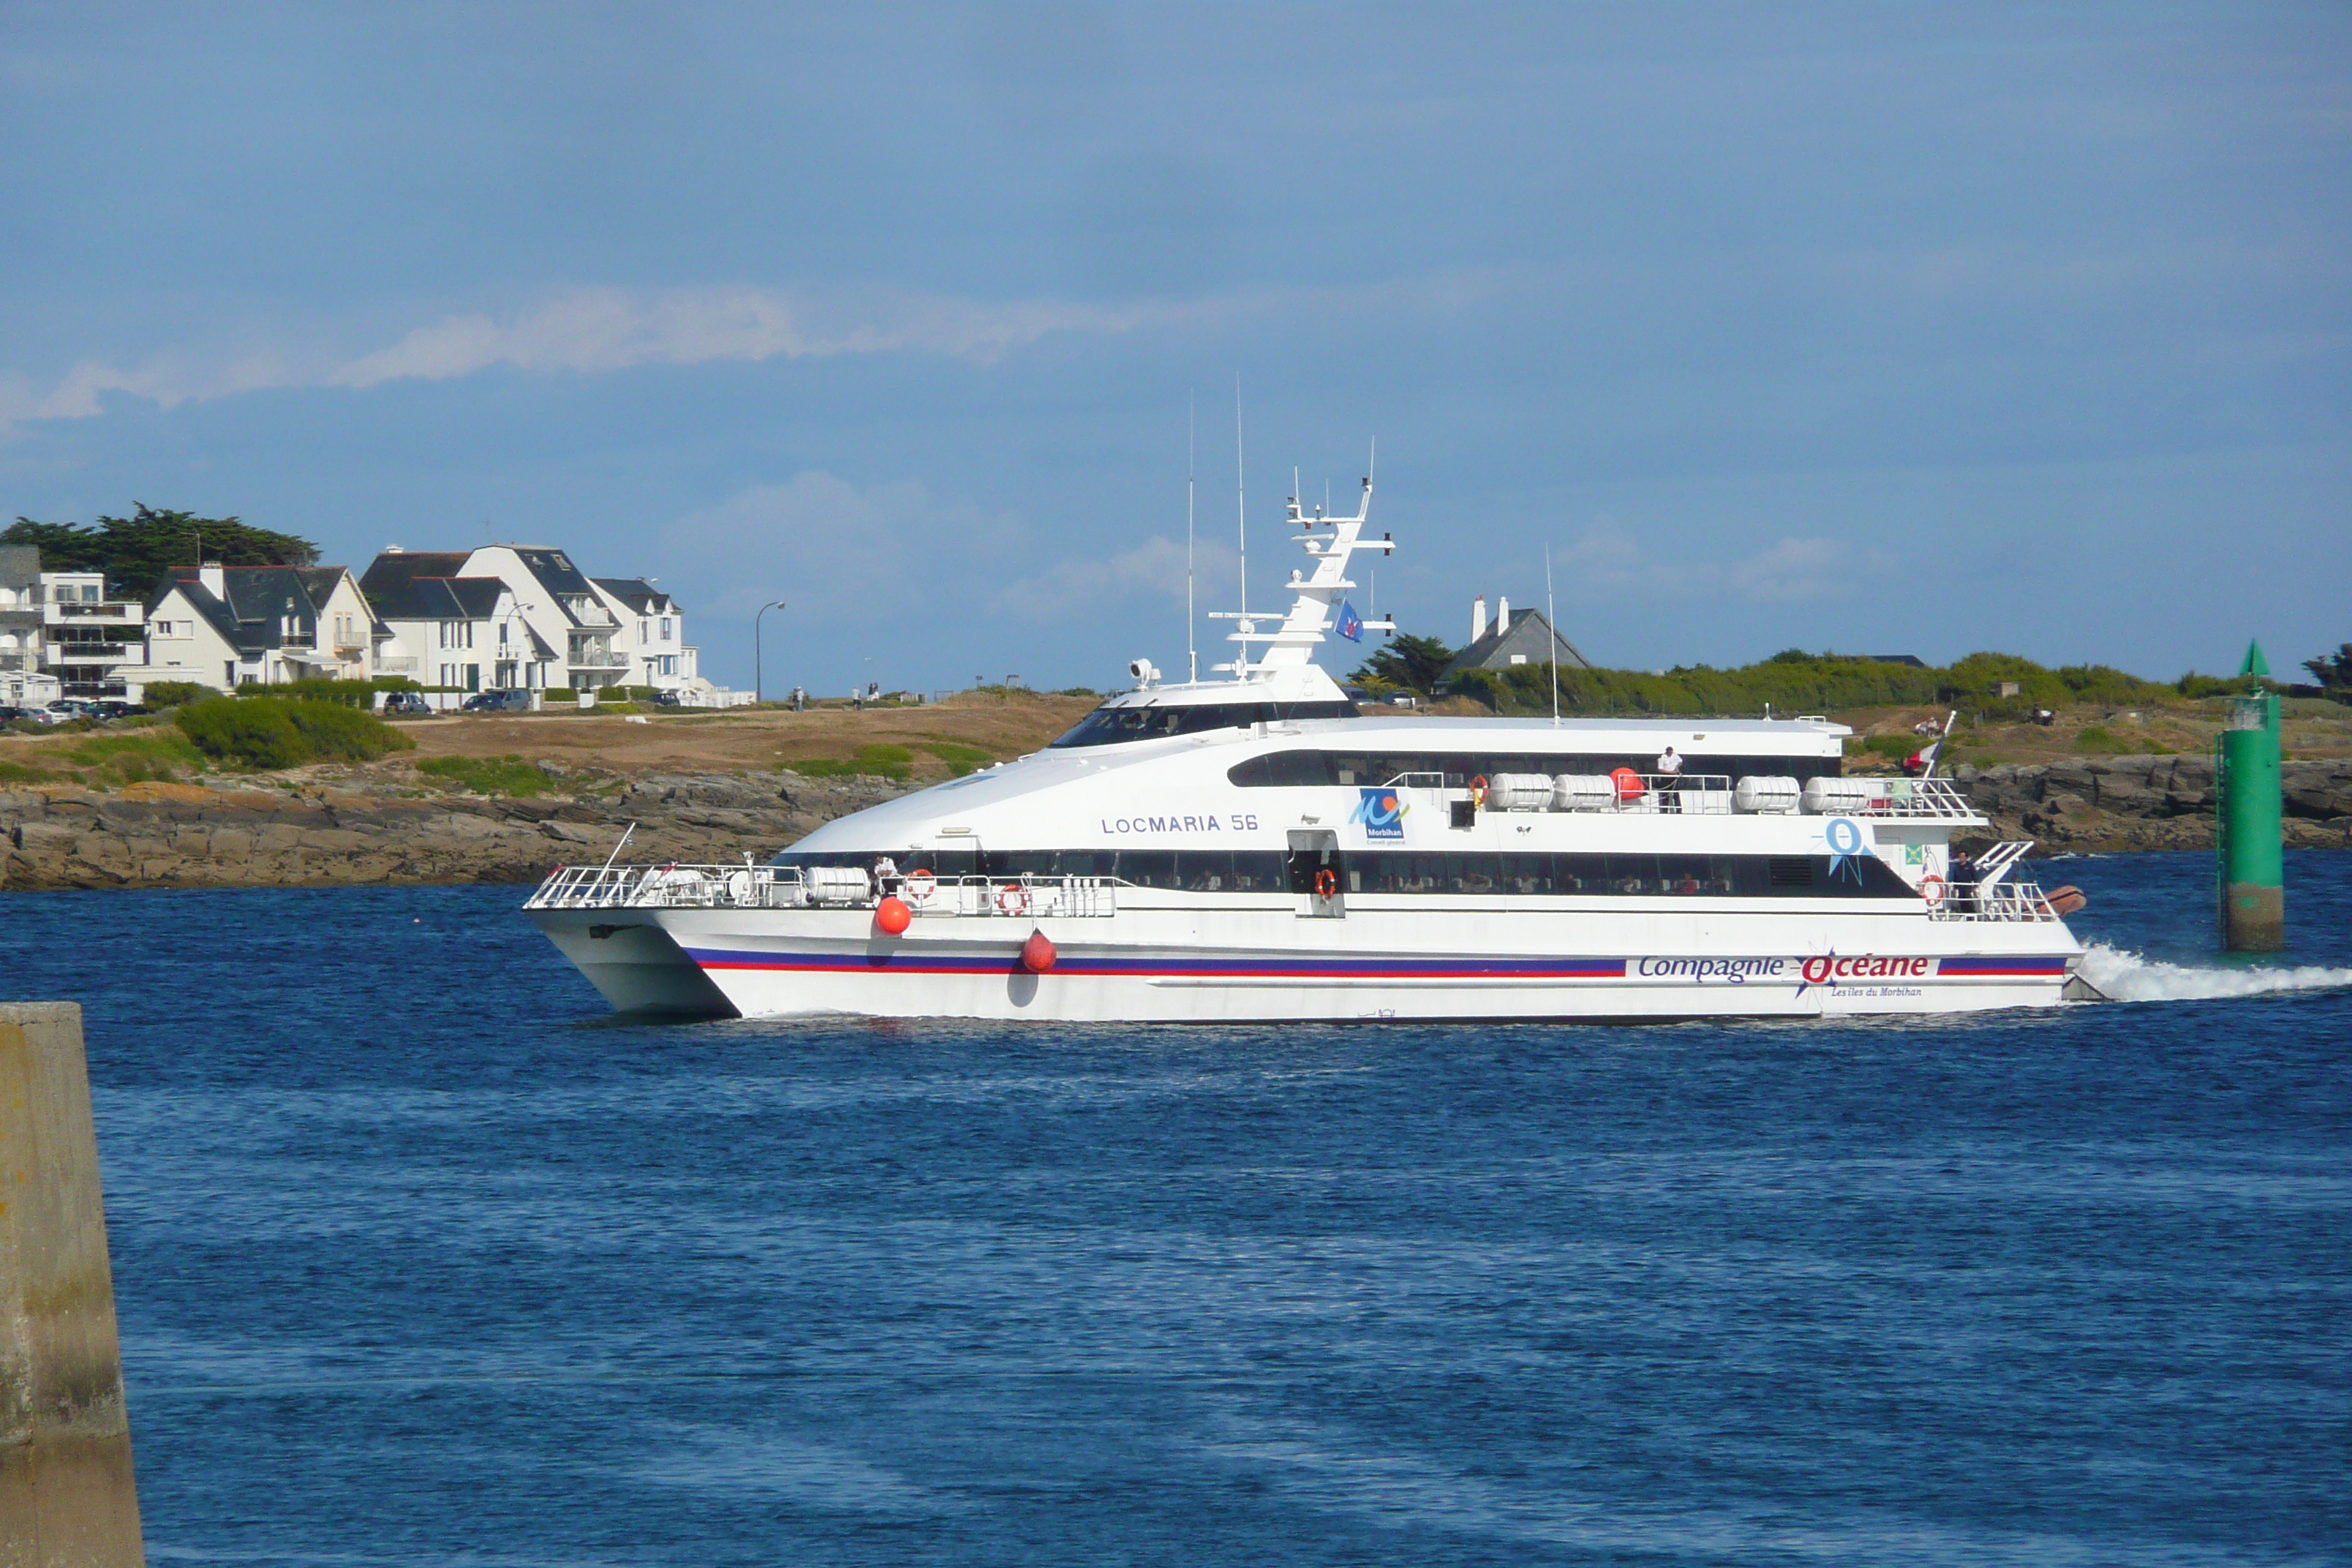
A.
pixel 1352 625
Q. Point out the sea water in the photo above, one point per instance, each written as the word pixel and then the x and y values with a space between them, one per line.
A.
pixel 421 1259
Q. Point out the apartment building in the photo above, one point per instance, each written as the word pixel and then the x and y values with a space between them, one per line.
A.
pixel 61 636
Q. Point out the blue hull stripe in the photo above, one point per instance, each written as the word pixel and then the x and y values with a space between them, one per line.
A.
pixel 1972 968
pixel 903 962
pixel 1288 968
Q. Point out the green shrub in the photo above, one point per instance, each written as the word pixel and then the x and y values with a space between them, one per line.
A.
pixel 559 694
pixel 171 693
pixel 26 773
pixel 156 754
pixel 2095 739
pixel 275 733
pixel 508 775
pixel 960 759
pixel 875 762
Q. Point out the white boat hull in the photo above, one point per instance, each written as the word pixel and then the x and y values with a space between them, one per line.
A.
pixel 1270 964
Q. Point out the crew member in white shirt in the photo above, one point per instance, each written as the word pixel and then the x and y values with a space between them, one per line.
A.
pixel 1670 780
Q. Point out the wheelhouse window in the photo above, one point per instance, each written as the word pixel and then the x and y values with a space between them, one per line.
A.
pixel 1110 726
pixel 1278 769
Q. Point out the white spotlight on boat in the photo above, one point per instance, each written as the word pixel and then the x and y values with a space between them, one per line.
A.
pixel 1144 672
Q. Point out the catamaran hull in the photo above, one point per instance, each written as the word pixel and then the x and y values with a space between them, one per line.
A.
pixel 1272 966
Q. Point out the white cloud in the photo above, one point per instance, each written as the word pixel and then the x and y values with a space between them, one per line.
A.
pixel 591 330
pixel 1609 560
pixel 836 551
pixel 1153 569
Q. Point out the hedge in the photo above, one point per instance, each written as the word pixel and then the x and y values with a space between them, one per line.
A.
pixel 282 733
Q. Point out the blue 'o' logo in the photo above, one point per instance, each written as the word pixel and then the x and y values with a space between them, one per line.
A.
pixel 1844 836
pixel 1380 810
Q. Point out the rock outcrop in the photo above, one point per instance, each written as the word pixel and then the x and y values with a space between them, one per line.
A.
pixel 2148 802
pixel 188 835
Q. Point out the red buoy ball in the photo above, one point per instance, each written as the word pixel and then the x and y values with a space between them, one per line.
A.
pixel 1037 954
pixel 893 915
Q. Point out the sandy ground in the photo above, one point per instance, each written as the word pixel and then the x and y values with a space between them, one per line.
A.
pixel 744 739
pixel 1003 726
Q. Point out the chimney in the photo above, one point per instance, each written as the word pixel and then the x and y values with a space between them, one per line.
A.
pixel 1479 617
pixel 1503 615
pixel 215 580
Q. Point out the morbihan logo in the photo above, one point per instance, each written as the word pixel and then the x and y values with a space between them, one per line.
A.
pixel 1829 970
pixel 1381 811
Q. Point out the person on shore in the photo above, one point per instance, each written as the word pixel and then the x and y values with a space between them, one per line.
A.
pixel 1670 780
pixel 858 698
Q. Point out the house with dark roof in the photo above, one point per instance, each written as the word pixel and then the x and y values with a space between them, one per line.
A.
pixel 226 627
pixel 658 648
pixel 573 630
pixel 1523 636
pixel 451 630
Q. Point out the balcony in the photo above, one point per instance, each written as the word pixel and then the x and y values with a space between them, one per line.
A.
pixel 87 652
pixel 107 610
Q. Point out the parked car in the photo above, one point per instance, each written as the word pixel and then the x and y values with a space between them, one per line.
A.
pixel 499 702
pixel 405 705
pixel 116 708
pixel 64 710
pixel 665 700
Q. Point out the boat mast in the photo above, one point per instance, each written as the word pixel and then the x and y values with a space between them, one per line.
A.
pixel 1241 521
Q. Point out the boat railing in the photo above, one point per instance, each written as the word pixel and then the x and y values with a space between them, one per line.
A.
pixel 2002 901
pixel 721 887
pixel 1689 794
pixel 1912 798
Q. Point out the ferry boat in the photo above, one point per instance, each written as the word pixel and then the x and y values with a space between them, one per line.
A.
pixel 1259 848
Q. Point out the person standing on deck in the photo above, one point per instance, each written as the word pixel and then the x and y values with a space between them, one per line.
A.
pixel 1670 780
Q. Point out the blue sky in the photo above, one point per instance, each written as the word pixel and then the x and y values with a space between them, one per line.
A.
pixel 1865 327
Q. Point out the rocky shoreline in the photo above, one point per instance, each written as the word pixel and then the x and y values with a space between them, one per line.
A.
pixel 2107 804
pixel 332 832
pixel 347 831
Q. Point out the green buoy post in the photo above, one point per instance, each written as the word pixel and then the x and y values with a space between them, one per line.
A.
pixel 2246 780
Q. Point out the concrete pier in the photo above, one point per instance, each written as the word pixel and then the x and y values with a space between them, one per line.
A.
pixel 66 1495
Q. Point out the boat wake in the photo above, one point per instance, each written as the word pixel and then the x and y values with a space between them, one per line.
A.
pixel 2127 977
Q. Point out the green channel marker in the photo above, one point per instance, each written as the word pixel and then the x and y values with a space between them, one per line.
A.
pixel 2246 778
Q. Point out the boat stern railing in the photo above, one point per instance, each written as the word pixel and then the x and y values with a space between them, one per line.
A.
pixel 674 886
pixel 2005 902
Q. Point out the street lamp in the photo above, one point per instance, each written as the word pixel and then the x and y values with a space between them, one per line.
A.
pixel 759 672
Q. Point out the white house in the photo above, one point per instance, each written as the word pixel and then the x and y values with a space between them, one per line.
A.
pixel 60 635
pixel 569 629
pixel 451 629
pixel 653 630
pixel 224 626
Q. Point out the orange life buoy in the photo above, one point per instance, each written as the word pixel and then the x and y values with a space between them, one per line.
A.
pixel 1629 784
pixel 1326 883
pixel 1931 888
pixel 1013 898
pixel 919 886
pixel 1478 789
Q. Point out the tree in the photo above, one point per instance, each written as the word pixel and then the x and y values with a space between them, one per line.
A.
pixel 2333 670
pixel 1409 661
pixel 136 551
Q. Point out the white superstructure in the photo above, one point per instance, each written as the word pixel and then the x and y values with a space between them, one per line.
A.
pixel 1256 848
